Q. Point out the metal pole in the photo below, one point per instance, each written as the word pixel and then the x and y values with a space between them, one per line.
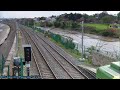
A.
pixel 24 22
pixel 34 25
pixel 8 71
pixel 18 71
pixel 17 38
pixel 21 67
pixel 119 45
pixel 28 23
pixel 82 39
pixel 28 71
pixel 119 37
pixel 3 62
pixel 84 51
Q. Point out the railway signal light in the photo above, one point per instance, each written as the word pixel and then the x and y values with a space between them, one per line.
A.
pixel 27 56
pixel 27 52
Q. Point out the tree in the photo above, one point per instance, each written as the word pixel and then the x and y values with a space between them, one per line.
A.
pixel 103 14
pixel 63 25
pixel 42 18
pixel 100 45
pixel 57 24
pixel 85 16
pixel 91 19
pixel 118 17
pixel 107 19
pixel 75 25
pixel 69 17
pixel 49 24
pixel 31 22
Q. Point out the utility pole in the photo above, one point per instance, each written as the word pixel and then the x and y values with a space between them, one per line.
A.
pixel 28 23
pixel 82 39
pixel 28 68
pixel 82 56
pixel 34 24
pixel 17 38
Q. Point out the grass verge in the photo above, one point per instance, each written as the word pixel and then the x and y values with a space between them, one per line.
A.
pixel 20 49
pixel 98 26
pixel 73 53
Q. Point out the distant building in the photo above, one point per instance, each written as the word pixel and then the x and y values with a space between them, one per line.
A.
pixel 118 26
pixel 115 25
pixel 36 19
pixel 105 12
pixel 42 20
pixel 51 19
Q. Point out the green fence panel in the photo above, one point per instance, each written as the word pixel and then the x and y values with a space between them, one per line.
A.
pixel 0 65
pixel 21 71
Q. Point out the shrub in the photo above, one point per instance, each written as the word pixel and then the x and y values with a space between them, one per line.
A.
pixel 110 32
pixel 57 24
pixel 49 24
pixel 91 30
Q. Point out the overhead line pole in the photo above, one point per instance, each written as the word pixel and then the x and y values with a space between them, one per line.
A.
pixel 82 38
pixel 17 38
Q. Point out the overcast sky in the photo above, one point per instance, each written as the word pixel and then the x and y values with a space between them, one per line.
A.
pixel 31 14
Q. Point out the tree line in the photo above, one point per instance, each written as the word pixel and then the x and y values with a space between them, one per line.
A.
pixel 73 21
pixel 69 20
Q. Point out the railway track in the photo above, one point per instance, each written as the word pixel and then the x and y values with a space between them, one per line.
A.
pixel 89 73
pixel 43 67
pixel 71 69
pixel 33 57
pixel 56 68
pixel 86 72
pixel 6 46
